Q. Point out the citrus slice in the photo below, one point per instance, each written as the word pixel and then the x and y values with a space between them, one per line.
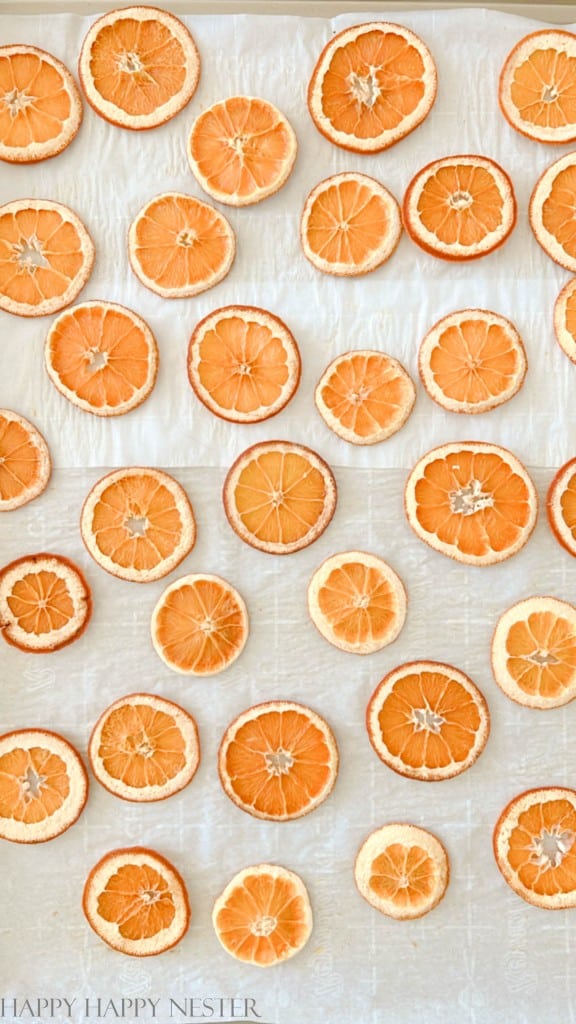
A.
pixel 561 506
pixel 365 396
pixel 241 150
pixel 43 785
pixel 357 602
pixel 263 916
pixel 279 497
pixel 427 721
pixel 40 106
pixel 179 246
pixel 138 524
pixel 534 846
pixel 537 90
pixel 243 363
pixel 372 85
pixel 102 357
pixel 144 748
pixel 278 760
pixel 138 66
pixel 534 652
pixel 565 319
pixel 25 464
pixel 46 257
pixel 460 207
pixel 136 902
pixel 472 361
pixel 471 501
pixel 402 871
pixel 551 208
pixel 45 603
pixel 200 625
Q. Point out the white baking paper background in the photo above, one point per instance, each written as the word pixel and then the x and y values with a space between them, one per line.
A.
pixel 483 956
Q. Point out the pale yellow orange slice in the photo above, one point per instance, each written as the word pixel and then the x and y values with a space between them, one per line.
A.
pixel 402 871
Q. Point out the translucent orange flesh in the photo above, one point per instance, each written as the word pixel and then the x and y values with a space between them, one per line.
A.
pixel 359 603
pixel 34 784
pixel 570 315
pixel 137 65
pixel 34 102
pixel 200 626
pixel 461 204
pixel 568 505
pixel 543 89
pixel 41 602
pixel 181 241
pixel 348 222
pixel 474 361
pixel 137 899
pixel 242 364
pixel 558 210
pixel 40 253
pixel 541 654
pixel 280 497
pixel 404 875
pixel 141 746
pixel 136 523
pixel 367 394
pixel 19 460
pixel 540 826
pixel 263 919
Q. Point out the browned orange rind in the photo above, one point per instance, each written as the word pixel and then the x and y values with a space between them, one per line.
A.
pixel 45 603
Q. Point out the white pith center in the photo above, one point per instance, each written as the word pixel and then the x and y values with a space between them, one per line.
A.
pixel 139 744
pixel 16 101
pixel 263 925
pixel 31 784
pixel 543 657
pixel 149 896
pixel 549 94
pixel 277 498
pixel 207 626
pixel 551 846
pixel 364 88
pixel 186 238
pixel 460 200
pixel 136 525
pixel 244 369
pixel 361 601
pixel 358 396
pixel 28 253
pixel 130 63
pixel 403 882
pixel 470 499
pixel 426 719
pixel 96 360
pixel 279 762
pixel 237 143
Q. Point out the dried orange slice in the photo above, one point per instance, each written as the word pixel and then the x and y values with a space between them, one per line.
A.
pixel 357 602
pixel 242 150
pixel 40 106
pixel 372 85
pixel 263 916
pixel 350 225
pixel 551 209
pixel 25 464
pixel 561 506
pixel 279 497
pixel 179 246
pixel 46 257
pixel 534 846
pixel 102 357
pixel 402 871
pixel 472 501
pixel 136 902
pixel 565 319
pixel 138 66
pixel 278 760
pixel 365 396
pixel 243 363
pixel 144 748
pixel 460 207
pixel 200 625
pixel 45 603
pixel 427 721
pixel 534 652
pixel 537 90
pixel 472 361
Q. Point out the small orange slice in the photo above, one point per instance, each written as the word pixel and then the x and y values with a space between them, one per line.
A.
pixel 551 211
pixel 537 90
pixel 45 603
pixel 427 721
pixel 535 847
pixel 402 871
pixel 263 916
pixel 460 207
pixel 561 506
pixel 40 106
pixel 534 652
pixel 278 760
pixel 46 257
pixel 243 363
pixel 138 66
pixel 136 902
pixel 372 85
pixel 200 625
pixel 565 319
pixel 43 785
pixel 365 396
pixel 472 501
pixel 25 464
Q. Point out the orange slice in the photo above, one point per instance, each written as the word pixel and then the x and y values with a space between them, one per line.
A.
pixel 179 246
pixel 144 748
pixel 243 363
pixel 551 209
pixel 241 150
pixel 534 846
pixel 460 207
pixel 279 497
pixel 471 501
pixel 365 396
pixel 138 66
pixel 278 760
pixel 46 257
pixel 25 464
pixel 263 916
pixel 45 603
pixel 40 106
pixel 534 652
pixel 372 85
pixel 472 361
pixel 537 90
pixel 427 721
pixel 138 524
pixel 561 506
pixel 102 358
pixel 136 902
pixel 357 602
pixel 565 319
pixel 402 871
pixel 200 625
pixel 350 225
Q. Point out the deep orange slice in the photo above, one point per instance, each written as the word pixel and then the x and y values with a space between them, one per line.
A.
pixel 45 603
pixel 25 464
pixel 561 506
pixel 534 652
pixel 365 396
pixel 402 871
pixel 537 90
pixel 565 319
pixel 551 211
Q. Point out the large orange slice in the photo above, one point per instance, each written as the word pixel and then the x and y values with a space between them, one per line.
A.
pixel 45 603
pixel 551 211
pixel 25 464
pixel 365 396
pixel 402 871
pixel 561 506
pixel 537 90
pixel 565 319
pixel 534 652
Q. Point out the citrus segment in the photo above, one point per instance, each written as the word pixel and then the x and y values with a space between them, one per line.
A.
pixel 25 464
pixel 365 396
pixel 561 506
pixel 45 603
pixel 538 86
pixel 534 652
pixel 402 871
pixel 551 209
pixel 565 319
